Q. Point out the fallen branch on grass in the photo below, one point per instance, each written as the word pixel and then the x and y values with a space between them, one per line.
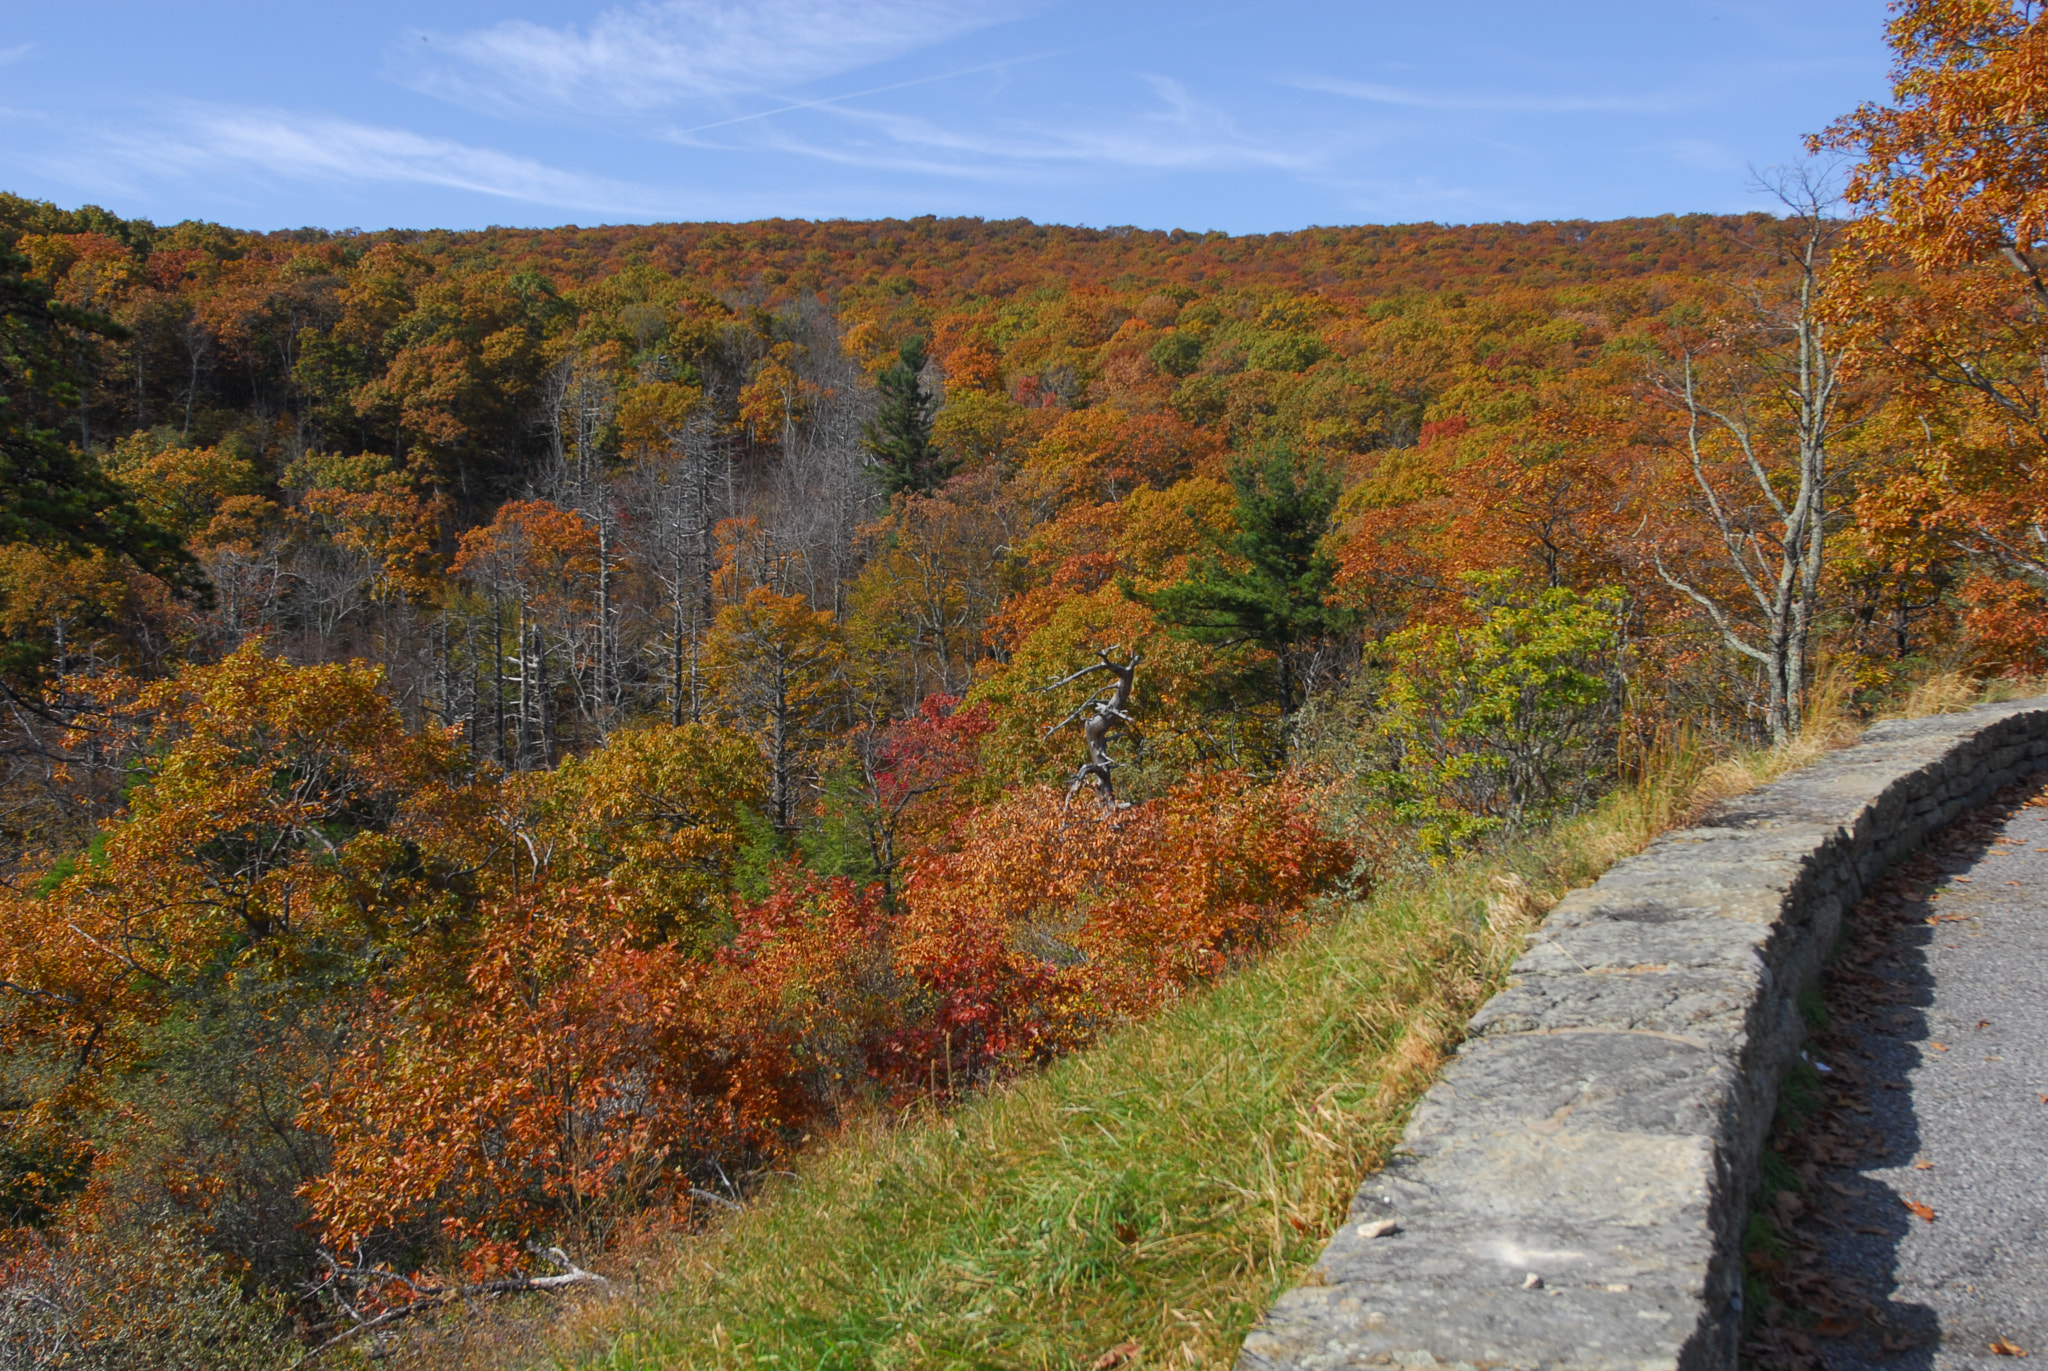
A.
pixel 430 1297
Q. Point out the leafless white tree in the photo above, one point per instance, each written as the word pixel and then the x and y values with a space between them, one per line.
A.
pixel 1762 398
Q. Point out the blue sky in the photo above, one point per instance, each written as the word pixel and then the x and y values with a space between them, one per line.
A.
pixel 1246 118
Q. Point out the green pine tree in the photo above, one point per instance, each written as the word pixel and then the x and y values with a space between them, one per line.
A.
pixel 900 435
pixel 1279 599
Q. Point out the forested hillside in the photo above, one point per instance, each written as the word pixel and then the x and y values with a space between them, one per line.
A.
pixel 509 734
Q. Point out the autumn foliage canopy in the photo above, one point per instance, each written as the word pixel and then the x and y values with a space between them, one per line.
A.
pixel 509 735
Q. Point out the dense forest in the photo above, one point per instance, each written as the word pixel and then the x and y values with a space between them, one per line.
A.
pixel 509 734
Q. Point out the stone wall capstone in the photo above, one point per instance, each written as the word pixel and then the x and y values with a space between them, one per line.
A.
pixel 1571 1192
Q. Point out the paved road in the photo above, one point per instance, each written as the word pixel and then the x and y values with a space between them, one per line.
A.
pixel 1938 1098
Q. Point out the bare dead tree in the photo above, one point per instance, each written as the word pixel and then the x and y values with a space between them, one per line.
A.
pixel 673 503
pixel 251 581
pixel 1105 712
pixel 812 493
pixel 580 403
pixel 1762 407
pixel 197 338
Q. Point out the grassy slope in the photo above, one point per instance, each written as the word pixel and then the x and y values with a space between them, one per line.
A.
pixel 1161 1188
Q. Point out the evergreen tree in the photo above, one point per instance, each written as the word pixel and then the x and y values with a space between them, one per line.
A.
pixel 900 435
pixel 1279 599
pixel 51 494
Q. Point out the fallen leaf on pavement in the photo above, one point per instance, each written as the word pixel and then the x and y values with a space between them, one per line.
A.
pixel 1939 1047
pixel 1923 1166
pixel 1983 1023
pixel 1922 1210
pixel 1116 1356
pixel 2006 1349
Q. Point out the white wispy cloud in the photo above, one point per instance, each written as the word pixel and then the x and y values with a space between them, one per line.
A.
pixel 845 97
pixel 200 141
pixel 647 56
pixel 1507 102
pixel 1176 132
pixel 15 53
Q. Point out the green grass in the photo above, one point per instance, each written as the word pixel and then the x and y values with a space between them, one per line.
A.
pixel 1160 1188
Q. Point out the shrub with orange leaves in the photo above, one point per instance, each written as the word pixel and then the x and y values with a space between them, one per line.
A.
pixel 1054 921
pixel 2008 621
pixel 574 1074
pixel 812 967
pixel 570 1075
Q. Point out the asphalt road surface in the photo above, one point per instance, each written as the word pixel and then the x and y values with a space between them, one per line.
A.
pixel 1919 1241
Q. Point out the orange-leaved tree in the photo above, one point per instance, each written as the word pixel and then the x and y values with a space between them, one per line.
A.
pixel 262 831
pixel 778 664
pixel 1944 275
pixel 618 1026
pixel 269 863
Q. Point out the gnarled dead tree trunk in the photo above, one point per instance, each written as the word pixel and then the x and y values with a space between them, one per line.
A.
pixel 1103 713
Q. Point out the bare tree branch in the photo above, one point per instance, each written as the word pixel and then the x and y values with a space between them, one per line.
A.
pixel 427 1298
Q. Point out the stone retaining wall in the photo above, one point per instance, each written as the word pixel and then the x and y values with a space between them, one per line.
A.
pixel 1571 1192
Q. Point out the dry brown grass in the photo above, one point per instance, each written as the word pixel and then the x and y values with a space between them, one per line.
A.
pixel 1949 692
